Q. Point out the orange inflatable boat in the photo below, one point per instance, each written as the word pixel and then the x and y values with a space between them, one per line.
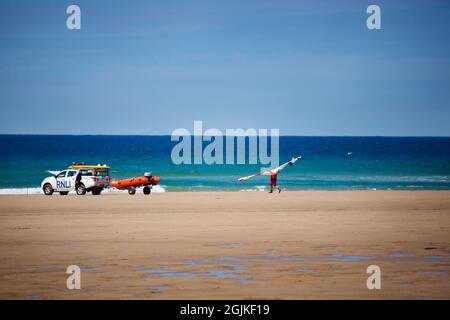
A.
pixel 147 181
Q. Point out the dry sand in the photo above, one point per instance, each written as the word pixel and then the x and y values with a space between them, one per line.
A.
pixel 227 245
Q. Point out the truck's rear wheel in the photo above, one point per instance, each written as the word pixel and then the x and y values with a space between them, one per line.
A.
pixel 96 191
pixel 131 190
pixel 81 189
pixel 64 193
pixel 147 190
pixel 48 189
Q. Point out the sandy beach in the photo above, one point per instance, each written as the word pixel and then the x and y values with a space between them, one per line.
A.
pixel 227 245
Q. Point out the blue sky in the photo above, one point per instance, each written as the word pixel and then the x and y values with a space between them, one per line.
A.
pixel 149 67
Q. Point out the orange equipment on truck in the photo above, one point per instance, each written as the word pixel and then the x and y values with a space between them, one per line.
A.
pixel 147 181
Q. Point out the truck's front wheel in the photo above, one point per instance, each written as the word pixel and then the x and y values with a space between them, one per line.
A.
pixel 48 189
pixel 81 189
pixel 131 190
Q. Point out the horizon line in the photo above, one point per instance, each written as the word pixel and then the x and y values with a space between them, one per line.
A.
pixel 168 135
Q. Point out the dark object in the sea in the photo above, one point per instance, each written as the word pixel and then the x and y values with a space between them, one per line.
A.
pixel 430 248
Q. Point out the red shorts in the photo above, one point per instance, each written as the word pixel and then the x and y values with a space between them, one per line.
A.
pixel 273 180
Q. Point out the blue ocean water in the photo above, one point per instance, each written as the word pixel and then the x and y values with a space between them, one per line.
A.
pixel 329 163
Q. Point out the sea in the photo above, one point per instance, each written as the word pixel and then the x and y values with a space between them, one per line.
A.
pixel 328 163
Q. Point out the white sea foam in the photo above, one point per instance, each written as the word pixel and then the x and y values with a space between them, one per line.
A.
pixel 21 191
pixel 255 189
pixel 54 172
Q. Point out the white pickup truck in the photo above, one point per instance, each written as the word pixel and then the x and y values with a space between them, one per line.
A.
pixel 79 178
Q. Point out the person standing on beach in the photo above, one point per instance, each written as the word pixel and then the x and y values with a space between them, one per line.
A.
pixel 273 173
pixel 273 183
pixel 78 179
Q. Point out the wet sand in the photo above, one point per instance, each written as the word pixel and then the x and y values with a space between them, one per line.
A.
pixel 227 245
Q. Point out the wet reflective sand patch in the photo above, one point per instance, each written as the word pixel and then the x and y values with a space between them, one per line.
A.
pixel 435 257
pixel 165 273
pixel 92 268
pixel 160 288
pixel 306 270
pixel 225 245
pixel 401 255
pixel 432 273
pixel 333 257
pixel 228 271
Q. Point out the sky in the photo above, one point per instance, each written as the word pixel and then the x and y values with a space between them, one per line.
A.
pixel 150 67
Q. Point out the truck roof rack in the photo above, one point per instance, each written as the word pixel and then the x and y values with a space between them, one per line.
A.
pixel 84 166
